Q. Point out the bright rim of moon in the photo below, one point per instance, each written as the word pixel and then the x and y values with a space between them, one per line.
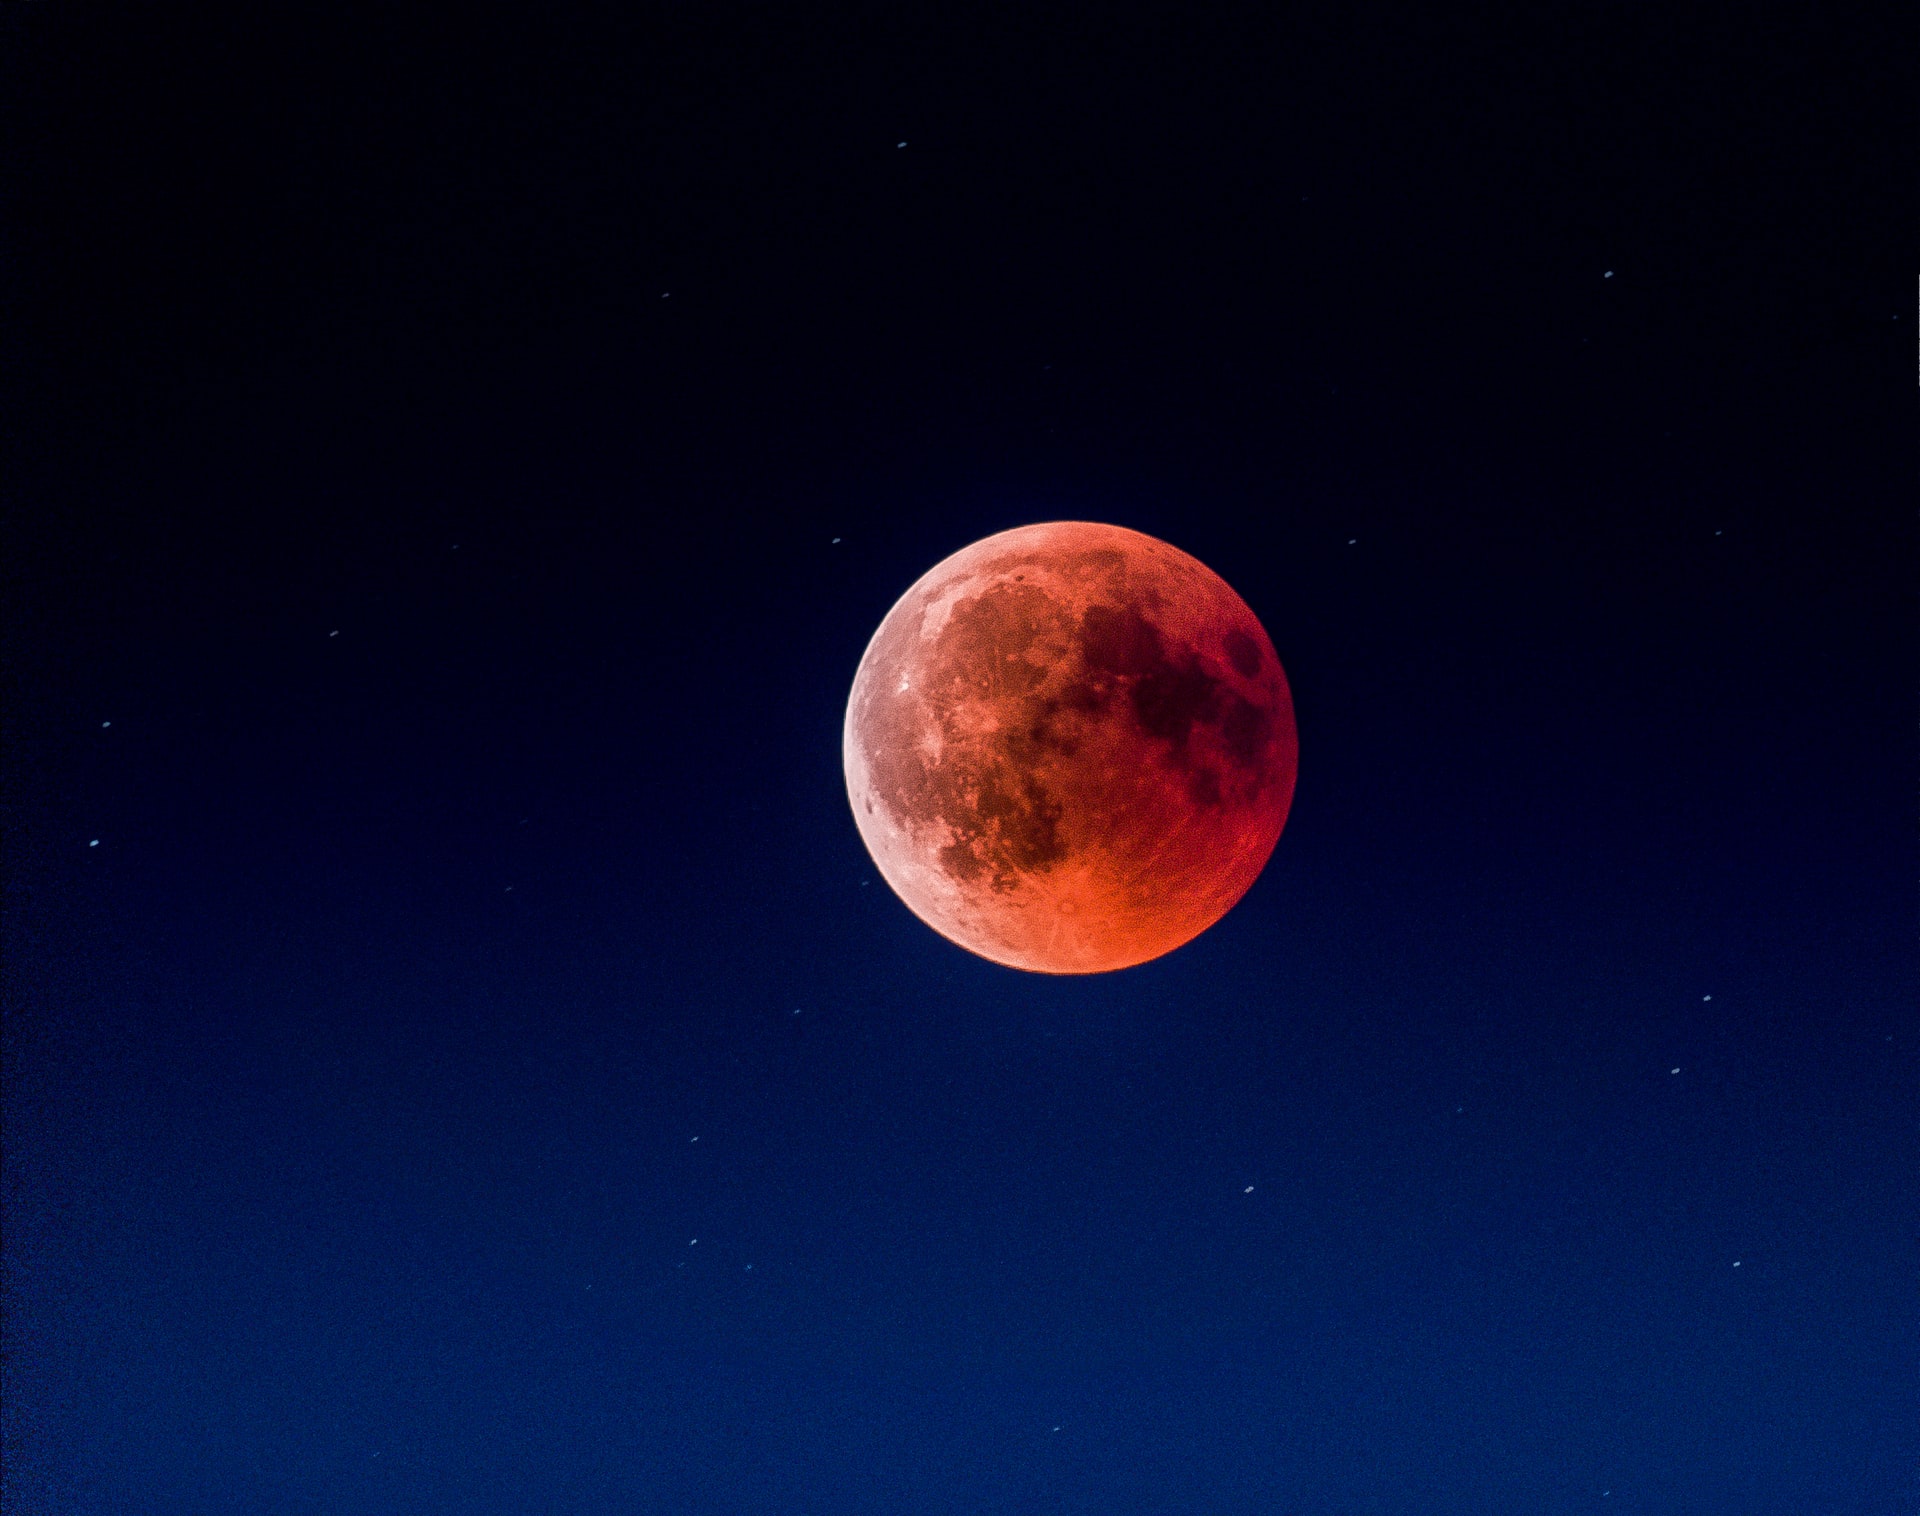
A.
pixel 1070 748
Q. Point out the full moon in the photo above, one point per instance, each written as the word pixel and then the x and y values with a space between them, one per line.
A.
pixel 1070 748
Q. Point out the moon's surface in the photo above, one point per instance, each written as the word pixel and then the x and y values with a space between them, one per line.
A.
pixel 1070 748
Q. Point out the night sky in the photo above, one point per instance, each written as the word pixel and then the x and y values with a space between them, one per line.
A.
pixel 459 1057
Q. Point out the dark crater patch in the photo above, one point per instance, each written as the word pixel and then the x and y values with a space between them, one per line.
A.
pixel 986 638
pixel 1169 694
pixel 1169 701
pixel 1243 653
pixel 1172 692
pixel 1048 733
pixel 1004 823
pixel 1119 640
pixel 1245 729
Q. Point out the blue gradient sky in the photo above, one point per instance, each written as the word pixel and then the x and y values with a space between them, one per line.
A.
pixel 477 1069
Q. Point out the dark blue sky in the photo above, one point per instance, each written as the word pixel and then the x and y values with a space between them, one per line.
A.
pixel 458 1057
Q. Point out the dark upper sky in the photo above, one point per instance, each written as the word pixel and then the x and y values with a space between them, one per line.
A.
pixel 431 902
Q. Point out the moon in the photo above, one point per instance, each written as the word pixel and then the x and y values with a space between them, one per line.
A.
pixel 1070 748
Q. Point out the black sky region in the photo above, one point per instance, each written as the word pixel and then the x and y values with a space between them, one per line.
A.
pixel 458 1056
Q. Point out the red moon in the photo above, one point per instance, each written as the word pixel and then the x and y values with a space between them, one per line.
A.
pixel 1070 748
